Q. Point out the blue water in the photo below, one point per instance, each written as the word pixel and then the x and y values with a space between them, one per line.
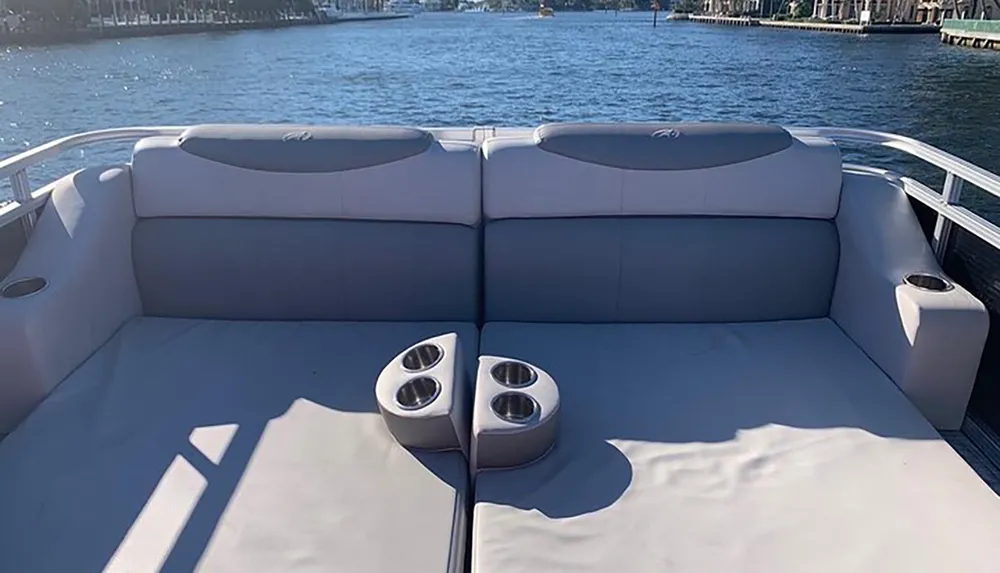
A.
pixel 464 69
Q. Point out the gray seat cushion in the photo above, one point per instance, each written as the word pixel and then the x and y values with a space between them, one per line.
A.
pixel 230 446
pixel 692 448
pixel 293 269
pixel 659 269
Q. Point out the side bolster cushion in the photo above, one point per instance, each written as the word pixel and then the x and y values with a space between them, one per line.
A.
pixel 928 343
pixel 81 246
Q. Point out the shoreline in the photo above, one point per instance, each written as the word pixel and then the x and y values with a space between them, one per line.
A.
pixel 814 26
pixel 121 31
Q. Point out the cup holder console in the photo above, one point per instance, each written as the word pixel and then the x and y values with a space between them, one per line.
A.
pixel 514 407
pixel 21 288
pixel 421 396
pixel 928 282
pixel 422 357
pixel 417 393
pixel 513 374
pixel 515 414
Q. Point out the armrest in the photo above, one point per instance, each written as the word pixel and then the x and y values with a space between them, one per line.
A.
pixel 82 247
pixel 929 343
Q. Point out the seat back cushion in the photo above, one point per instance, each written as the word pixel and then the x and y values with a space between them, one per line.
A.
pixel 683 269
pixel 371 173
pixel 285 269
pixel 581 170
pixel 300 223
pixel 659 223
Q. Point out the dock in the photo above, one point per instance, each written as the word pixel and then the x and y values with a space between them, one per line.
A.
pixel 121 30
pixel 817 26
pixel 723 20
pixel 855 28
pixel 983 34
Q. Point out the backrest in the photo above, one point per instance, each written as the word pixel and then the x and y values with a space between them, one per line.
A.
pixel 659 223
pixel 297 223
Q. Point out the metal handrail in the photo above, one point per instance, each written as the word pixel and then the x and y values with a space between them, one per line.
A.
pixel 35 155
pixel 945 204
pixel 987 181
pixel 957 170
pixel 26 202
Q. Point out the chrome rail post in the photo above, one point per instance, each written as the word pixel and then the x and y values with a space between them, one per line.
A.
pixel 21 189
pixel 482 133
pixel 951 193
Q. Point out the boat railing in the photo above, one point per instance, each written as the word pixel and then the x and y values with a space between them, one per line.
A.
pixel 26 201
pixel 945 204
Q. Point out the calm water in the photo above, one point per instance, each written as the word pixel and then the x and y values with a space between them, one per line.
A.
pixel 464 69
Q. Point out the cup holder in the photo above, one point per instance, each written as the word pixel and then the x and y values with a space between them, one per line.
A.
pixel 21 288
pixel 514 407
pixel 417 393
pixel 422 357
pixel 513 374
pixel 928 282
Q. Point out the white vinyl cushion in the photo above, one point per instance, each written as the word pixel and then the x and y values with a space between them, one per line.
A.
pixel 522 180
pixel 230 447
pixel 928 343
pixel 756 447
pixel 441 185
pixel 81 246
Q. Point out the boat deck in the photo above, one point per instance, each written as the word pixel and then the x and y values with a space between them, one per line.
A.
pixel 979 446
pixel 725 349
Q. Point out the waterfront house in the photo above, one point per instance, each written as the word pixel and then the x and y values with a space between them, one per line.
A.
pixel 866 10
pixel 908 11
pixel 732 7
pixel 968 9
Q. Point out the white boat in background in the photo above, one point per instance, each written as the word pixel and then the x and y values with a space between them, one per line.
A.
pixel 693 348
pixel 328 11
pixel 409 7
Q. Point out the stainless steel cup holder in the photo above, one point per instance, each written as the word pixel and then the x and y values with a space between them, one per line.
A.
pixel 928 282
pixel 422 357
pixel 513 374
pixel 417 393
pixel 21 288
pixel 514 407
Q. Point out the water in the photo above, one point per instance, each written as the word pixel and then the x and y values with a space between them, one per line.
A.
pixel 465 69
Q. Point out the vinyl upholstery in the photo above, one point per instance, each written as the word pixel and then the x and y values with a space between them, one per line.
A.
pixel 439 184
pixel 230 446
pixel 741 175
pixel 770 446
pixel 747 383
pixel 315 269
pixel 300 223
pixel 659 269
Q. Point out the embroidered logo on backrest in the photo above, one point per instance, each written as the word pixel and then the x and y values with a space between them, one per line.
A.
pixel 667 133
pixel 297 136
